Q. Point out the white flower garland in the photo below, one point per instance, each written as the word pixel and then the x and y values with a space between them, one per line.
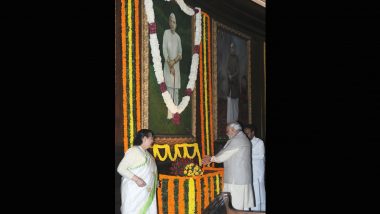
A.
pixel 155 51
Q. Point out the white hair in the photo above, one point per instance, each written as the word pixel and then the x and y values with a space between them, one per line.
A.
pixel 172 16
pixel 235 125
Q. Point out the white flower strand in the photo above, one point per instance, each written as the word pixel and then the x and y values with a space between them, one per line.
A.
pixel 157 64
pixel 185 8
pixel 149 11
pixel 198 28
pixel 169 102
pixel 193 75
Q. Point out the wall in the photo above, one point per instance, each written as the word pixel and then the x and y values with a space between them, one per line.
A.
pixel 243 15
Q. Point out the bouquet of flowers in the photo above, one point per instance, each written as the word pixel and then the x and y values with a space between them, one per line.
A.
pixel 178 166
pixel 185 167
pixel 192 169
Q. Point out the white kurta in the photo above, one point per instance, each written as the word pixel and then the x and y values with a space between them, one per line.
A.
pixel 258 170
pixel 171 48
pixel 232 109
pixel 135 199
pixel 241 194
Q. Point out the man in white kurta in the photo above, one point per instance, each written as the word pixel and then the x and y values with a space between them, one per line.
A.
pixel 258 168
pixel 138 165
pixel 172 51
pixel 237 167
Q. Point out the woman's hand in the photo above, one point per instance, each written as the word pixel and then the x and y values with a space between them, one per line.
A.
pixel 140 182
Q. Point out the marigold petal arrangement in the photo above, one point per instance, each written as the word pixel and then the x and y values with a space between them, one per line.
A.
pixel 185 167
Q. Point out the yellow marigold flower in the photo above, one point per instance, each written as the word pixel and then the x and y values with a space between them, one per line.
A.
pixel 196 173
pixel 185 172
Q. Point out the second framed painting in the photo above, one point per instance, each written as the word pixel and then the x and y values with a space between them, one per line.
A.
pixel 231 78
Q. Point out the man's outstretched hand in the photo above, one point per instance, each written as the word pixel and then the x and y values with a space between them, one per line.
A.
pixel 206 160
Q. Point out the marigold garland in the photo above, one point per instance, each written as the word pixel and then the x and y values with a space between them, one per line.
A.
pixel 191 196
pixel 137 61
pixel 186 191
pixel 130 71
pixel 205 86
pixel 165 195
pixel 205 89
pixel 201 107
pixel 202 193
pixel 176 188
pixel 177 153
pixel 123 74
pixel 221 182
pixel 209 85
pixel 199 196
pixel 181 200
pixel 209 189
pixel 217 184
pixel 206 191
pixel 159 199
pixel 171 200
pixel 212 187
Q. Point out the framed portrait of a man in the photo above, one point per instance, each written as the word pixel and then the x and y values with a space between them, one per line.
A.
pixel 175 36
pixel 231 77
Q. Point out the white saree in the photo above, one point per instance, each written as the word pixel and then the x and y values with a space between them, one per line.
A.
pixel 140 200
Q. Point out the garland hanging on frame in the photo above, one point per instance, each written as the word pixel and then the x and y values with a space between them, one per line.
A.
pixel 157 65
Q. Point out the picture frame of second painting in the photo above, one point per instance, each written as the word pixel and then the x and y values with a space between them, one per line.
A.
pixel 231 78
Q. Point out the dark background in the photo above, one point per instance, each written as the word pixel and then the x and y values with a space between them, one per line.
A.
pixel 322 103
pixel 323 107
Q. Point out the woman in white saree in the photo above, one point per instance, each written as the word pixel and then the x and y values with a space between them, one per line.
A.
pixel 139 177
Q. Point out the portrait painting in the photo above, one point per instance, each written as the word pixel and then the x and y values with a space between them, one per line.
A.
pixel 175 36
pixel 232 77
